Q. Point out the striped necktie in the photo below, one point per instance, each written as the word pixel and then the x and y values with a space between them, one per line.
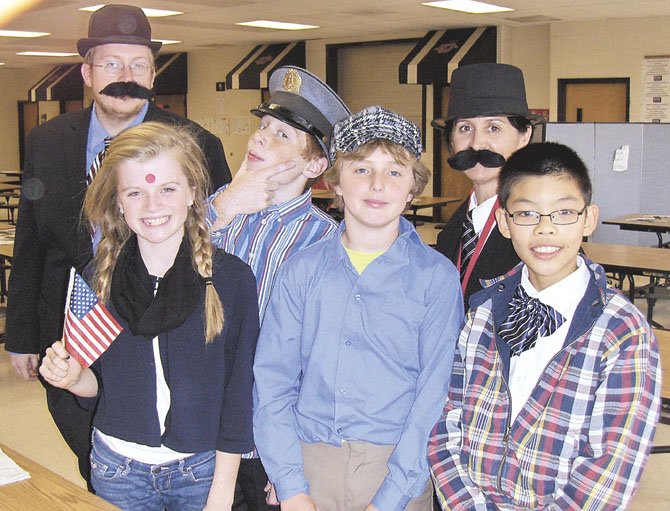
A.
pixel 529 319
pixel 97 162
pixel 468 243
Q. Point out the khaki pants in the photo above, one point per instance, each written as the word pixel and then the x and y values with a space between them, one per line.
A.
pixel 346 478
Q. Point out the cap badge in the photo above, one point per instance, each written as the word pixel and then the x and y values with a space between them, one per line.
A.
pixel 292 81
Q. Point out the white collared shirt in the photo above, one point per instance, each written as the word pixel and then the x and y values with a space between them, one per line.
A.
pixel 481 212
pixel 564 296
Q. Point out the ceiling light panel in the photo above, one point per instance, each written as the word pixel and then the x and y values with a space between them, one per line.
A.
pixel 469 6
pixel 22 33
pixel 276 25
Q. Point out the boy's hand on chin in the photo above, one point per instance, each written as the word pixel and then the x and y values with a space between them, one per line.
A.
pixel 248 192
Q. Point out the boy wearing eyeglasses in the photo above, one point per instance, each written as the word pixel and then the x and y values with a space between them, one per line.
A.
pixel 555 390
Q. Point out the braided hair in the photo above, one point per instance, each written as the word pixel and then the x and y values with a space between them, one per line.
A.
pixel 142 143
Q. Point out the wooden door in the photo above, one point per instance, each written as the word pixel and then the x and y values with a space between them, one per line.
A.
pixel 176 103
pixel 29 117
pixel 597 100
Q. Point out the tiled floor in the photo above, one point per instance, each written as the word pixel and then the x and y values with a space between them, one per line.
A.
pixel 26 426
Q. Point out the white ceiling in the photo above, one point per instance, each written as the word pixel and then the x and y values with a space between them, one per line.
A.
pixel 211 23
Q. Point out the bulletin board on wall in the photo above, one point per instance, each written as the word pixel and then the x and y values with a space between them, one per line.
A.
pixel 656 89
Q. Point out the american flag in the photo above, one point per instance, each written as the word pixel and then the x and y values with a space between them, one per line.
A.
pixel 89 327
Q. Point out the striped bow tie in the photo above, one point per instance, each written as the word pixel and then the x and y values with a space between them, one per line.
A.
pixel 529 319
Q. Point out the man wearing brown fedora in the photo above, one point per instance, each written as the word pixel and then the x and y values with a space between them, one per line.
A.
pixel 62 157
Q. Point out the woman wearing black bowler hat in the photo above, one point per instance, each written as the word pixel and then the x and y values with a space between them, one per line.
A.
pixel 487 120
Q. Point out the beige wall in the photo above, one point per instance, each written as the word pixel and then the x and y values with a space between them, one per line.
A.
pixel 528 49
pixel 605 49
pixel 226 114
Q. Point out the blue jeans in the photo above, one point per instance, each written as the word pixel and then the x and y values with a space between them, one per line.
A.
pixel 181 485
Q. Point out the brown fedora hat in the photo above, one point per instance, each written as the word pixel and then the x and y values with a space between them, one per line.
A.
pixel 117 24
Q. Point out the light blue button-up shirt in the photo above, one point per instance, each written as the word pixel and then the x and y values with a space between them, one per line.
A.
pixel 349 357
pixel 97 134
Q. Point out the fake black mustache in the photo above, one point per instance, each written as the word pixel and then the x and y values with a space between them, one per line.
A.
pixel 127 90
pixel 468 158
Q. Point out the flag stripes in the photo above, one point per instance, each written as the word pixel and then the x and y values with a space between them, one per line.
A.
pixel 89 328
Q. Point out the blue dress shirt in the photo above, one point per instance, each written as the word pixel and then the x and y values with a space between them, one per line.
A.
pixel 266 239
pixel 349 357
pixel 97 135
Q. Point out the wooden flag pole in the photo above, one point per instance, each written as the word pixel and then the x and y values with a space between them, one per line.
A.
pixel 70 285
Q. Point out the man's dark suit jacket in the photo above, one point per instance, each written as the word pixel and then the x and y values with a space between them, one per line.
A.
pixel 497 256
pixel 50 234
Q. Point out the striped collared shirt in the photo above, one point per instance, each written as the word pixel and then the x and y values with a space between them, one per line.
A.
pixel 582 438
pixel 266 239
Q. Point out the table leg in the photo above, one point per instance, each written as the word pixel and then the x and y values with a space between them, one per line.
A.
pixel 631 287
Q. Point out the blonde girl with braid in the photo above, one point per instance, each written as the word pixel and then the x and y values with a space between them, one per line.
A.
pixel 186 153
pixel 173 392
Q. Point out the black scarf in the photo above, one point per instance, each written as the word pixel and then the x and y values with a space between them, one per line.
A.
pixel 132 291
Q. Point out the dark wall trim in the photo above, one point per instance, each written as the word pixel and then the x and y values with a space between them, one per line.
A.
pixel 22 142
pixel 564 82
pixel 437 142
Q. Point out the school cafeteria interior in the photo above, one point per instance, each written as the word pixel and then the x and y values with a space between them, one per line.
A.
pixel 598 71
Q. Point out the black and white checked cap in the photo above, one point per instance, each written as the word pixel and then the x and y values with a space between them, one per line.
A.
pixel 372 123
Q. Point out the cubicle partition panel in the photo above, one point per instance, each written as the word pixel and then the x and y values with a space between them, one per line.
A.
pixel 644 184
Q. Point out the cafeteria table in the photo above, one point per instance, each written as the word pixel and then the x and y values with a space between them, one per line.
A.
pixel 643 222
pixel 46 490
pixel 629 261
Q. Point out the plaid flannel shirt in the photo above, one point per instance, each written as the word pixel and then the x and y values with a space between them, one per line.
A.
pixel 581 440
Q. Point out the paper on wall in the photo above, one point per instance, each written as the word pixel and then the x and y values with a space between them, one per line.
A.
pixel 621 159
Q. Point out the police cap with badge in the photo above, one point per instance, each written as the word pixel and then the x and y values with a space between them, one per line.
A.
pixel 303 101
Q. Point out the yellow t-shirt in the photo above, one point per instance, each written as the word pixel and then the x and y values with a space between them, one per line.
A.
pixel 360 260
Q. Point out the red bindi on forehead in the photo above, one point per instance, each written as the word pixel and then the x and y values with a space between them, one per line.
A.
pixel 150 178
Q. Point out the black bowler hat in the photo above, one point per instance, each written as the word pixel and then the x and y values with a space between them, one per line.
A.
pixel 303 101
pixel 117 24
pixel 479 90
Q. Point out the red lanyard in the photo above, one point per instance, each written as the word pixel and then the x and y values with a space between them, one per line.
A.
pixel 483 236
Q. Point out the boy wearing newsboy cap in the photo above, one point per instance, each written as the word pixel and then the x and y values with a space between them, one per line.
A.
pixel 358 335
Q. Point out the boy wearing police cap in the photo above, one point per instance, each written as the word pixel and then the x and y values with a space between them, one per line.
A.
pixel 358 335
pixel 266 214
pixel 487 120
pixel 61 158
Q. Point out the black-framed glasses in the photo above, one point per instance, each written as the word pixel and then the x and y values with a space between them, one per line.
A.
pixel 115 68
pixel 558 217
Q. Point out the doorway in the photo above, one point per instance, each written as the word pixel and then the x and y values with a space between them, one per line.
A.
pixel 453 183
pixel 593 100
